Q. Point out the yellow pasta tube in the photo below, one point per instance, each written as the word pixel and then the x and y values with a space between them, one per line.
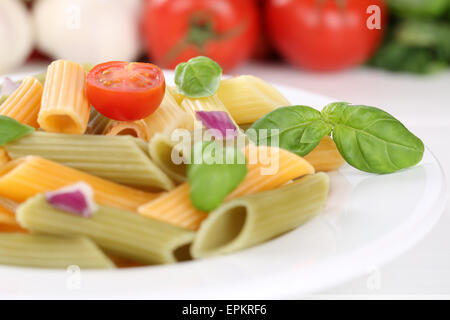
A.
pixel 65 107
pixel 175 94
pixel 23 105
pixel 25 177
pixel 248 98
pixel 4 157
pixel 167 117
pixel 326 156
pixel 213 103
pixel 176 207
pixel 136 129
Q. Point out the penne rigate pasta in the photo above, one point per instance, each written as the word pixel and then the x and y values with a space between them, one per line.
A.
pixel 161 148
pixel 23 178
pixel 43 251
pixel 248 98
pixel 326 156
pixel 64 107
pixel 137 129
pixel 168 117
pixel 250 220
pixel 212 103
pixel 97 123
pixel 24 104
pixel 176 207
pixel 119 159
pixel 4 157
pixel 118 232
pixel 175 94
pixel 7 216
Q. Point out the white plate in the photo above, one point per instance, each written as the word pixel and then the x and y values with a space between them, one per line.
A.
pixel 369 220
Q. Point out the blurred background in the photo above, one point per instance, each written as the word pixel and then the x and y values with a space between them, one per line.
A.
pixel 313 35
pixel 394 54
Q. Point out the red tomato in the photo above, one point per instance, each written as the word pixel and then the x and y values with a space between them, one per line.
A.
pixel 224 30
pixel 125 91
pixel 325 36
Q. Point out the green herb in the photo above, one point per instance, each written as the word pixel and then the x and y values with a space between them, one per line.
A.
pixel 198 78
pixel 372 140
pixel 298 129
pixel 215 171
pixel 11 130
pixel 368 138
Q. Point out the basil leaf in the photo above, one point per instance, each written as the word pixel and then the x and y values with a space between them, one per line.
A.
pixel 299 129
pixel 371 139
pixel 215 175
pixel 198 78
pixel 11 130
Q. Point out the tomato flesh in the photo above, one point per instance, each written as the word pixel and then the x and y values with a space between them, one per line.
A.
pixel 125 91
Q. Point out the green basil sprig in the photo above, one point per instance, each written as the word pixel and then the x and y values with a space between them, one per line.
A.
pixel 215 171
pixel 11 130
pixel 198 78
pixel 368 138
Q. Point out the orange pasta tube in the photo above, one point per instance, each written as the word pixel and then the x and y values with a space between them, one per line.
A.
pixel 4 157
pixel 325 157
pixel 25 177
pixel 23 105
pixel 7 217
pixel 8 222
pixel 64 107
pixel 176 207
pixel 136 129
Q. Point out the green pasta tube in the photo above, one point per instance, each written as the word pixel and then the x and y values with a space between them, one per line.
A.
pixel 161 148
pixel 121 233
pixel 250 220
pixel 98 123
pixel 43 251
pixel 121 159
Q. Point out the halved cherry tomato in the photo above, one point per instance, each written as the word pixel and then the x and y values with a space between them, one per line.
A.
pixel 125 91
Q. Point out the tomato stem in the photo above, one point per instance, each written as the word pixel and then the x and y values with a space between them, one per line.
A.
pixel 201 31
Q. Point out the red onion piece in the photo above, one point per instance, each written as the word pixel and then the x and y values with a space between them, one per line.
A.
pixel 218 120
pixel 76 199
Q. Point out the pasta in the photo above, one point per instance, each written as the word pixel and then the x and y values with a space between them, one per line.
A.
pixel 167 117
pixel 119 232
pixel 4 157
pixel 213 103
pixel 23 178
pixel 6 216
pixel 248 98
pixel 161 148
pixel 119 159
pixel 64 107
pixel 326 156
pixel 136 129
pixel 247 221
pixel 106 179
pixel 23 105
pixel 177 96
pixel 175 206
pixel 43 251
pixel 97 123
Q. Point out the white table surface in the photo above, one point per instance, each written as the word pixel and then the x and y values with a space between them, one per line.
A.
pixel 422 103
